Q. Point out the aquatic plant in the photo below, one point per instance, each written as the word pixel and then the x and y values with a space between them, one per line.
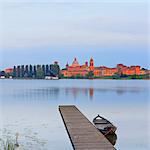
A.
pixel 8 145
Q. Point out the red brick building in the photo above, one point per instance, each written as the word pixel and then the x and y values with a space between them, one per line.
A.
pixel 75 69
pixel 121 69
pixel 9 70
pixel 105 71
pixel 82 70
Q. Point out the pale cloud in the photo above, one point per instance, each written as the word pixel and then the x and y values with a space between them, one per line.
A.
pixel 76 38
pixel 25 25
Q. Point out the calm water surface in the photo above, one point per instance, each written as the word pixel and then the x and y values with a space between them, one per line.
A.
pixel 30 108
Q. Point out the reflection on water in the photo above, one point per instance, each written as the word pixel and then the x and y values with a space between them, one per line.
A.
pixel 75 92
pixel 30 107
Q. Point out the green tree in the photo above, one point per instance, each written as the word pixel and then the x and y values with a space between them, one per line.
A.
pixel 39 72
pixel 78 76
pixel 7 75
pixel 61 76
pixel 90 75
pixel 134 76
pixel 55 69
pixel 14 72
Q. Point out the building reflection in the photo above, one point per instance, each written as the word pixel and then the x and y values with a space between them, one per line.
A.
pixel 71 93
pixel 75 92
pixel 91 92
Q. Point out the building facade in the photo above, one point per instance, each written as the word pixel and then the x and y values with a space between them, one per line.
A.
pixel 9 70
pixel 75 69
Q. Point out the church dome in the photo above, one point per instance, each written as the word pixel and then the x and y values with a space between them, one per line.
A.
pixel 75 63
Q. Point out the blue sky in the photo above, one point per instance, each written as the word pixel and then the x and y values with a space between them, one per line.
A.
pixel 40 32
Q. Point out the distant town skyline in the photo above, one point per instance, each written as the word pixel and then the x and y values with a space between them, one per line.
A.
pixel 70 63
pixel 88 70
pixel 111 32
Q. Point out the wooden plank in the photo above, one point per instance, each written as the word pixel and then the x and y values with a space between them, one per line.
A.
pixel 82 133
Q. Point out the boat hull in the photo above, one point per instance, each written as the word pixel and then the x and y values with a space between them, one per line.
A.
pixel 106 128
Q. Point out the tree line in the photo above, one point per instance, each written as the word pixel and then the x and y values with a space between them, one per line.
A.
pixel 36 71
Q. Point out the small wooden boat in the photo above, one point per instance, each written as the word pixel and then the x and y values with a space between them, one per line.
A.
pixel 106 128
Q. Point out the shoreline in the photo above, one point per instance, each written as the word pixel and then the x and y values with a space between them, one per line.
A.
pixel 73 79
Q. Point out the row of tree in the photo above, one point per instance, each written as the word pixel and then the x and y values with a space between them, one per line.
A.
pixel 36 71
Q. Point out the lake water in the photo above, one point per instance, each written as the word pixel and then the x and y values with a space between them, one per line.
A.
pixel 30 108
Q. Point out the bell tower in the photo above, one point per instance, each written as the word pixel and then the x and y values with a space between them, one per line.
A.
pixel 91 64
pixel 67 65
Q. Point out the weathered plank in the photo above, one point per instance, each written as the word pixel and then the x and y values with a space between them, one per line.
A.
pixel 82 133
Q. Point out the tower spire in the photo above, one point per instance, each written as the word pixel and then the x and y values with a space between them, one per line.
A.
pixel 67 65
pixel 91 64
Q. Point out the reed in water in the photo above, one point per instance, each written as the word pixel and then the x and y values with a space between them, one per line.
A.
pixel 10 144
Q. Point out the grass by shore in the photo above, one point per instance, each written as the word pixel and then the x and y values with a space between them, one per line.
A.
pixel 8 145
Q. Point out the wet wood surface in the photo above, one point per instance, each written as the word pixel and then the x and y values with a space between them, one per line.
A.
pixel 82 133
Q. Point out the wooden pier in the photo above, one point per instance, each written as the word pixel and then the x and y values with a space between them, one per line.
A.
pixel 82 133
